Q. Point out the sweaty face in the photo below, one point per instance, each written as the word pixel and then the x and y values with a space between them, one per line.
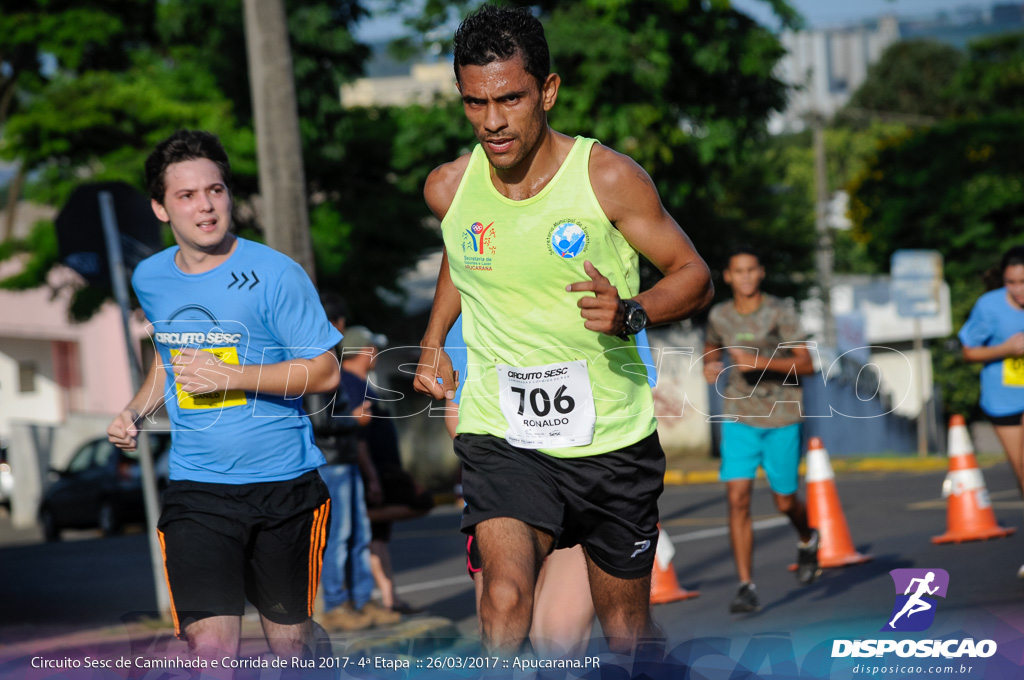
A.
pixel 744 275
pixel 1013 279
pixel 197 205
pixel 507 108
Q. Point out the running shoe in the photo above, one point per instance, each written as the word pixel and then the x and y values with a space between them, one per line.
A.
pixel 380 615
pixel 746 600
pixel 406 609
pixel 346 618
pixel 807 569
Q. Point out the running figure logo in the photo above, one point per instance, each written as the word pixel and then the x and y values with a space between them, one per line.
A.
pixel 913 609
pixel 478 236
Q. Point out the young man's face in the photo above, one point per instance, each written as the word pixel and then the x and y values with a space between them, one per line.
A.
pixel 197 204
pixel 744 275
pixel 507 109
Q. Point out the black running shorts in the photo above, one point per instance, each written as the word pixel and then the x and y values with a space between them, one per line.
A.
pixel 1012 420
pixel 607 503
pixel 225 543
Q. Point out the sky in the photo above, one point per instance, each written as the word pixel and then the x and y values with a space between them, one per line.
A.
pixel 818 13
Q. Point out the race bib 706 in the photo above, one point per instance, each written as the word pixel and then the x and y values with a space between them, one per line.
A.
pixel 547 407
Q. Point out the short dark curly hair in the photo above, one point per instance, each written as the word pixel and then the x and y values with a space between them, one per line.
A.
pixel 184 145
pixel 742 249
pixel 1013 256
pixel 499 33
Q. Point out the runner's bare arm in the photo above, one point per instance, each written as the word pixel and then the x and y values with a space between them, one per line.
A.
pixel 631 202
pixel 123 431
pixel 801 362
pixel 439 192
pixel 1013 346
pixel 712 362
pixel 200 372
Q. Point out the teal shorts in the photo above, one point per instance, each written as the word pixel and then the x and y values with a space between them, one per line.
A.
pixel 776 449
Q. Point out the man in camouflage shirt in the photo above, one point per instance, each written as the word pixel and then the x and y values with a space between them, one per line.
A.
pixel 767 352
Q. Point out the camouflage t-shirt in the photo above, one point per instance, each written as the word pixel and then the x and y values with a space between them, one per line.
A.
pixel 759 398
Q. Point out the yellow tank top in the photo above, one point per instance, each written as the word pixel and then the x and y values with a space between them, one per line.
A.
pixel 537 377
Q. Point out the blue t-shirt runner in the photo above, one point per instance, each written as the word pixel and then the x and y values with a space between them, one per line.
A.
pixel 257 307
pixel 992 321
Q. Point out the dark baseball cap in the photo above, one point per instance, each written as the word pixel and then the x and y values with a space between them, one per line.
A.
pixel 361 336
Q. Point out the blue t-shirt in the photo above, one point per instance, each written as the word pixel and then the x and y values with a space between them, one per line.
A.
pixel 257 307
pixel 992 321
pixel 455 347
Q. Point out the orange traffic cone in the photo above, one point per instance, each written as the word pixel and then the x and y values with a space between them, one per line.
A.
pixel 969 515
pixel 664 585
pixel 824 513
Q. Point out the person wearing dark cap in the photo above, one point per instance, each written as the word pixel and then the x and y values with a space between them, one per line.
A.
pixel 391 493
pixel 347 582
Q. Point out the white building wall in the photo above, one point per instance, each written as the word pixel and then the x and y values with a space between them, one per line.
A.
pixel 44 403
pixel 825 67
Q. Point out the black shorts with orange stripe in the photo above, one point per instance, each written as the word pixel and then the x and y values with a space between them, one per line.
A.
pixel 226 543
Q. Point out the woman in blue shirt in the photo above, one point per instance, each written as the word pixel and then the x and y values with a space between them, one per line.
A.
pixel 994 336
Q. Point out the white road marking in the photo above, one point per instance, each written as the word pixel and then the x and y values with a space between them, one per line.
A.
pixel 724 531
pixel 463 580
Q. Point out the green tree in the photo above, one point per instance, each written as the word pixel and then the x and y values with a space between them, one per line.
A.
pixel 79 35
pixel 992 79
pixel 911 77
pixel 186 67
pixel 375 223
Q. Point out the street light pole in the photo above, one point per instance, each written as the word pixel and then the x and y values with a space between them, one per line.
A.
pixel 119 282
pixel 824 253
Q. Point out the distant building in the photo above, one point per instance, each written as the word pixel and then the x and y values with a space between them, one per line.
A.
pixel 824 67
pixel 391 82
pixel 52 369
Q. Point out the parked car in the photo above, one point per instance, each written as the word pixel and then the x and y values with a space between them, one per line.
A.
pixel 101 487
pixel 6 478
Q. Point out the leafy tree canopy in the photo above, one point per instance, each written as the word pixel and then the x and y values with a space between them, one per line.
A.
pixel 912 77
pixel 992 79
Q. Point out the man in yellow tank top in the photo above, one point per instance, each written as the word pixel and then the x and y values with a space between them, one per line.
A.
pixel 556 429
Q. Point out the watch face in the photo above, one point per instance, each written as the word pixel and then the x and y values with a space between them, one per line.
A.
pixel 636 319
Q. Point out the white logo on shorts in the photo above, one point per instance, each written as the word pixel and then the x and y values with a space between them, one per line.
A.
pixel 643 545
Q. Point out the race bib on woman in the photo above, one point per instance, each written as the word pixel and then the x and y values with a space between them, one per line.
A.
pixel 547 407
pixel 1013 371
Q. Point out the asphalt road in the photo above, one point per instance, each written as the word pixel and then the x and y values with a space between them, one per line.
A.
pixel 86 581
